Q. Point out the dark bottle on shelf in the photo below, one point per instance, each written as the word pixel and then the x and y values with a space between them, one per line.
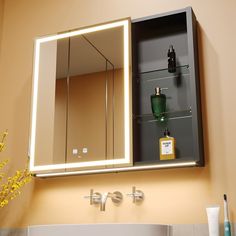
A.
pixel 171 59
pixel 158 103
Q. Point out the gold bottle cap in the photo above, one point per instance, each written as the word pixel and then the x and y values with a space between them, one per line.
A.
pixel 157 90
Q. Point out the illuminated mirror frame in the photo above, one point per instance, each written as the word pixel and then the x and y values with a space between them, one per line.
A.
pixel 127 99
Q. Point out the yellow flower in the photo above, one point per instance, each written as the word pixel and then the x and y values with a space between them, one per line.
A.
pixel 11 188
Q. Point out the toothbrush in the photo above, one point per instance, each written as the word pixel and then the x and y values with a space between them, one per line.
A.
pixel 227 229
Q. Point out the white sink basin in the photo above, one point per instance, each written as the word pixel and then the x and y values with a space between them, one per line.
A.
pixel 100 230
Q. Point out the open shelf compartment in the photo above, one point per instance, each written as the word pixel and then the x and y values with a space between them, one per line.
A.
pixel 151 39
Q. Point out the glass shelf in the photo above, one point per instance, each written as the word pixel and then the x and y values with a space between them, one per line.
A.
pixel 170 115
pixel 160 74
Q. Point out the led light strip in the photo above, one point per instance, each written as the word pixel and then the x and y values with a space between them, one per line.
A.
pixel 122 169
pixel 126 93
pixel 126 160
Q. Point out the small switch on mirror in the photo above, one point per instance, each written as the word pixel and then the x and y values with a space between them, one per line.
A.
pixel 85 150
pixel 75 151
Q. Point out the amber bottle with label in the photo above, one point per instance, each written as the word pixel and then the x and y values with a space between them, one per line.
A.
pixel 167 146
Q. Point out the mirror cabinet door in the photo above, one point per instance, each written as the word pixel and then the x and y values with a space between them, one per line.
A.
pixel 81 100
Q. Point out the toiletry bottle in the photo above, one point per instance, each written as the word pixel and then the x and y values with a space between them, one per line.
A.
pixel 158 103
pixel 213 220
pixel 171 59
pixel 167 146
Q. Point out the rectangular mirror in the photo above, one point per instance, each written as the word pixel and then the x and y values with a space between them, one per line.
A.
pixel 81 103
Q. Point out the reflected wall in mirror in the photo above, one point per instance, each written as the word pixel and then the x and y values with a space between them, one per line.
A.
pixel 81 108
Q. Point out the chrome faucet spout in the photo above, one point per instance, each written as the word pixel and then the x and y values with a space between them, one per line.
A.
pixel 103 201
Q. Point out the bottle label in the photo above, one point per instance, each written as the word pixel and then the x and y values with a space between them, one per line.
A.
pixel 167 147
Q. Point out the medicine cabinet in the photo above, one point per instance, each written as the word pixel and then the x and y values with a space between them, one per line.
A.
pixel 91 110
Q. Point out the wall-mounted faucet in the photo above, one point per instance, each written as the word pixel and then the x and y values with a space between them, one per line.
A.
pixel 98 198
pixel 116 197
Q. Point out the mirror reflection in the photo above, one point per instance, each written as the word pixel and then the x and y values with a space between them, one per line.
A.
pixel 82 92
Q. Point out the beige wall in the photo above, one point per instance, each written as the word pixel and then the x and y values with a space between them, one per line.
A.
pixel 1 21
pixel 172 196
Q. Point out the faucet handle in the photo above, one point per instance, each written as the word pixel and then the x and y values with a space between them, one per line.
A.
pixel 117 197
pixel 137 195
pixel 95 198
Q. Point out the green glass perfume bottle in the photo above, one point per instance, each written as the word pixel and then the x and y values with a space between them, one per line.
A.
pixel 158 102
